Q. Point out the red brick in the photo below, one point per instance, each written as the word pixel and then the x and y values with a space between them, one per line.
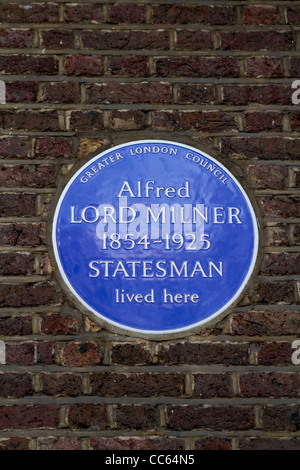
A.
pixel 54 324
pixel 86 121
pixel 21 92
pixel 266 323
pixel 131 93
pixel 137 417
pixel 26 64
pixel 56 39
pixel 264 94
pixel 265 67
pixel 137 385
pixel 88 416
pixel 31 120
pixel 84 65
pixel 58 443
pixel 135 66
pixel 256 121
pixel 125 40
pixel 16 38
pixel 15 325
pixel 15 443
pixel 15 385
pixel 281 264
pixel 268 176
pixel 61 385
pixel 130 354
pixel 196 94
pixel 293 15
pixel 27 294
pixel 212 386
pixel 30 353
pixel 275 354
pixel 185 14
pixel 268 148
pixel 267 292
pixel 213 443
pixel 54 147
pixel 231 418
pixel 29 417
pixel 61 92
pixel 258 40
pixel 204 353
pixel 127 13
pixel 81 354
pixel 14 264
pixel 83 13
pixel 17 204
pixel 29 13
pixel 193 40
pixel 262 15
pixel 205 121
pixel 280 418
pixel 136 443
pixel 31 234
pixel 280 206
pixel 197 67
pixel 15 147
pixel 30 176
pixel 265 443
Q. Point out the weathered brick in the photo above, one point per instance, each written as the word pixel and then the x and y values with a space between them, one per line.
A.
pixel 295 121
pixel 213 443
pixel 202 14
pixel 205 121
pixel 16 38
pixel 28 234
pixel 217 418
pixel 130 354
pixel 197 67
pixel 78 64
pixel 15 147
pixel 131 93
pixel 31 120
pixel 265 443
pixel 293 14
pixel 265 67
pixel 58 443
pixel 264 94
pixel 54 324
pixel 83 13
pixel 27 294
pixel 277 234
pixel 27 64
pixel 281 264
pixel 258 40
pixel 57 39
pixel 21 92
pixel 61 92
pixel 126 120
pixel 196 94
pixel 14 264
pixel 88 416
pixel 280 206
pixel 17 204
pixel 81 354
pixel 193 40
pixel 61 384
pixel 54 147
pixel 275 354
pixel 137 385
pixel 125 40
pixel 15 385
pixel 268 176
pixel 29 417
pixel 212 386
pixel 260 323
pixel 138 417
pixel 136 443
pixel 14 443
pixel 268 292
pixel 30 176
pixel 256 121
pixel 271 148
pixel 86 121
pixel 281 418
pixel 29 13
pixel 127 13
pixel 135 66
pixel 30 353
pixel 261 15
pixel 204 353
pixel 16 325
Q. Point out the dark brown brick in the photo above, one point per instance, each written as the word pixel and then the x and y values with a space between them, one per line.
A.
pixel 193 40
pixel 213 443
pixel 131 93
pixel 272 148
pixel 84 65
pixel 185 14
pixel 15 325
pixel 196 94
pixel 16 38
pixel 261 15
pixel 86 121
pixel 217 418
pixel 197 67
pixel 281 418
pixel 280 206
pixel 261 323
pixel 61 92
pixel 280 264
pixel 258 40
pixel 29 13
pixel 61 385
pixel 30 234
pixel 88 416
pixel 54 147
pixel 212 386
pixel 58 443
pixel 127 13
pixel 130 354
pixel 136 443
pixel 21 92
pixel 28 294
pixel 29 417
pixel 265 443
pixel 138 417
pixel 256 121
pixel 15 385
pixel 15 443
pixel 26 64
pixel 268 292
pixel 205 121
pixel 17 264
pixel 275 354
pixel 266 67
pixel 293 15
pixel 83 13
pixel 135 66
pixel 15 147
pixel 30 176
pixel 81 354
pixel 57 39
pixel 54 324
pixel 125 40
pixel 31 120
pixel 268 176
pixel 127 120
pixel 16 204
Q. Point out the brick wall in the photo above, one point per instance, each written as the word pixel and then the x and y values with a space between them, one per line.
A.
pixel 84 76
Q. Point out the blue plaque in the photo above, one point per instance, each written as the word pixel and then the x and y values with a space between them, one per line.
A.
pixel 155 237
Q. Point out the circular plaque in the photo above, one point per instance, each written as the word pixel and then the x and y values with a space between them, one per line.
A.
pixel 155 237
